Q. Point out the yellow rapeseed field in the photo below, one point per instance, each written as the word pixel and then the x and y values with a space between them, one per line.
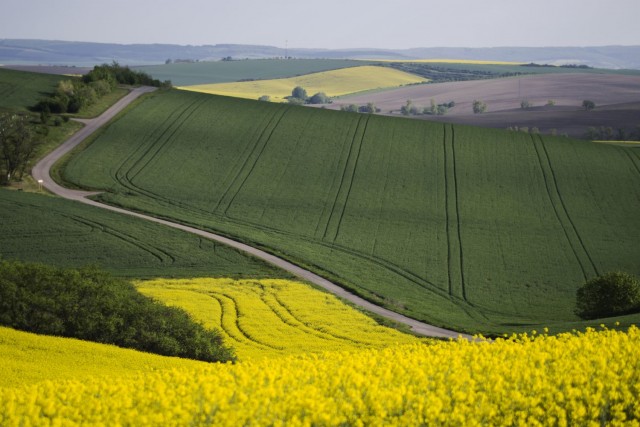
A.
pixel 29 358
pixel 266 318
pixel 333 83
pixel 581 379
pixel 456 61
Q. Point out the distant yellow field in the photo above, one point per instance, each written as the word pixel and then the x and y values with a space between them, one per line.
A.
pixel 333 83
pixel 29 358
pixel 455 61
pixel 273 317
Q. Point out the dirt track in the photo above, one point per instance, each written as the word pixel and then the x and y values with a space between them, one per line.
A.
pixel 41 171
pixel 617 99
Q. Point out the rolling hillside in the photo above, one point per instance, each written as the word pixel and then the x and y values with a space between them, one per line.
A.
pixel 468 228
pixel 58 232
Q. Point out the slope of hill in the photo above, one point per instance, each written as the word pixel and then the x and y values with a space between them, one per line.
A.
pixel 470 228
pixel 19 89
pixel 48 230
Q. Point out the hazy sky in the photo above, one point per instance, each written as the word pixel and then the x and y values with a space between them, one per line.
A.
pixel 328 23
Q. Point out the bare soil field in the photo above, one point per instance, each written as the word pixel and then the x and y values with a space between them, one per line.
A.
pixel 617 100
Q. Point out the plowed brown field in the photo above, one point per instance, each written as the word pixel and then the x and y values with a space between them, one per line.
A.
pixel 617 100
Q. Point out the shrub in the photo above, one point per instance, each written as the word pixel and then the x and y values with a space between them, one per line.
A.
pixel 319 98
pixel 479 107
pixel 91 305
pixel 612 294
pixel 588 105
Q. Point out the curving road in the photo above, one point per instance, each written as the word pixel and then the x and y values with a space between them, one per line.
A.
pixel 41 172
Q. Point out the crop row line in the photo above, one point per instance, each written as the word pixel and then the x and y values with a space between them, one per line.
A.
pixel 231 309
pixel 561 213
pixel 324 334
pixel 158 253
pixel 332 228
pixel 455 266
pixel 250 161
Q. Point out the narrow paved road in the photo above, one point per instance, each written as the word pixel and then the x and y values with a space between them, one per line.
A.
pixel 41 171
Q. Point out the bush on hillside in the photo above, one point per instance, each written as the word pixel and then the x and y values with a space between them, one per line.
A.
pixel 91 305
pixel 612 294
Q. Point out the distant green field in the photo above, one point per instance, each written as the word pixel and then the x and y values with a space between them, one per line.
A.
pixel 54 231
pixel 184 74
pixel 475 229
pixel 21 89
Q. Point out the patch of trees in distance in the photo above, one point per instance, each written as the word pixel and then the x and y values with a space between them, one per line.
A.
pixel 71 96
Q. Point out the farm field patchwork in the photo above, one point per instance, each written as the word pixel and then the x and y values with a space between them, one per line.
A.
pixel 332 83
pixel 589 378
pixel 209 72
pixel 54 231
pixel 272 318
pixel 474 229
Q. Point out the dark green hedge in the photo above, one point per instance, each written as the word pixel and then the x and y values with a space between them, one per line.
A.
pixel 91 305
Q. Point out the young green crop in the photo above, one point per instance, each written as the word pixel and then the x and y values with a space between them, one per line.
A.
pixel 475 229
pixel 54 231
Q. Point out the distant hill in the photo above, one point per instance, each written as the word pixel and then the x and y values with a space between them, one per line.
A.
pixel 16 51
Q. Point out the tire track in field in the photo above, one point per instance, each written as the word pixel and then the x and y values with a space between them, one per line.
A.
pixel 342 196
pixel 455 258
pixel 236 320
pixel 250 162
pixel 161 255
pixel 578 248
pixel 310 329
pixel 325 216
pixel 145 146
pixel 633 159
pixel 156 148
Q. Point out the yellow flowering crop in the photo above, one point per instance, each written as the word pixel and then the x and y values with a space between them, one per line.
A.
pixel 585 379
pixel 27 358
pixel 454 61
pixel 273 317
pixel 333 83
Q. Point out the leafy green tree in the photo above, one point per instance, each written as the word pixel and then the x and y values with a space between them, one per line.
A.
pixel 479 107
pixel 352 108
pixel 17 146
pixel 612 294
pixel 319 98
pixel 525 104
pixel 588 105
pixel 299 93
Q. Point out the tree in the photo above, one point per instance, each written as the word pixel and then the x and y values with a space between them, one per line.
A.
pixel 525 104
pixel 612 294
pixel 352 108
pixel 319 98
pixel 265 98
pixel 17 146
pixel 299 92
pixel 588 105
pixel 479 107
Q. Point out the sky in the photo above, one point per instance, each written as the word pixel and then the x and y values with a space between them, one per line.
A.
pixel 331 24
